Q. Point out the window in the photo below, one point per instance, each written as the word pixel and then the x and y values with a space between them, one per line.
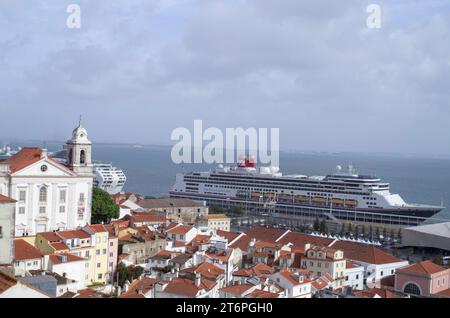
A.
pixel 381 273
pixel 99 265
pixel 111 243
pixel 100 276
pixel 42 210
pixel 412 289
pixel 357 276
pixel 346 278
pixel 81 198
pixel 87 254
pixel 104 251
pixel 62 196
pixel 43 194
pixel 1 232
pixel 111 254
pixel 62 209
pixel 21 210
pixel 82 157
pixel 22 195
pixel 86 265
pixel 98 252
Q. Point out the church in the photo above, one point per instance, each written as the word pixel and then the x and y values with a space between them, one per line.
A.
pixel 50 195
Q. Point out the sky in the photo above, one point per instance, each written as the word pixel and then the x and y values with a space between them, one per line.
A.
pixel 137 69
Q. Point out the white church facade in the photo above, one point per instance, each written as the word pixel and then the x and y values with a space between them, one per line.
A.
pixel 50 195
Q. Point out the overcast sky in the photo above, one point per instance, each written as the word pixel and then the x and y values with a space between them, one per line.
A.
pixel 137 69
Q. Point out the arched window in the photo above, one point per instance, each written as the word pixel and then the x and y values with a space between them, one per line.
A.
pixel 412 289
pixel 82 157
pixel 43 194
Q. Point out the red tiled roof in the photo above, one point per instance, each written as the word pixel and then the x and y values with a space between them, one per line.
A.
pixel 5 199
pixel 50 236
pixel 98 228
pixel 299 240
pixel 142 285
pixel 72 234
pixel 27 156
pixel 24 251
pixel 258 293
pixel 148 217
pixel 236 290
pixel 230 236
pixel 58 258
pixel 349 265
pixel 370 293
pixel 186 287
pixel 6 282
pixel 242 243
pixel 425 267
pixel 59 246
pixel 365 253
pixel 262 269
pixel 206 269
pixel 293 278
pixel 265 233
pixel 181 229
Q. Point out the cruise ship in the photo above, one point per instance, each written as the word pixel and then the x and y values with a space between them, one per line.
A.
pixel 109 178
pixel 341 196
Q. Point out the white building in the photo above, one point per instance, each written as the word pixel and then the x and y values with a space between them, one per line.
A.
pixel 6 229
pixel 354 276
pixel 70 266
pixel 50 195
pixel 15 288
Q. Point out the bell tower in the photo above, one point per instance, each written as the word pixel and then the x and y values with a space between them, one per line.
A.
pixel 79 152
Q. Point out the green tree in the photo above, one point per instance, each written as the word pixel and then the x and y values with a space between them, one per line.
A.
pixel 215 209
pixel 128 273
pixel 236 210
pixel 103 207
pixel 316 225
pixel 323 228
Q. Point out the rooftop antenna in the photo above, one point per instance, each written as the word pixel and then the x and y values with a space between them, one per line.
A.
pixel 79 121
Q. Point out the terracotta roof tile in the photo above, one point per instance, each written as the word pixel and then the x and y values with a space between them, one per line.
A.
pixel 65 258
pixel 425 267
pixel 25 251
pixel 5 199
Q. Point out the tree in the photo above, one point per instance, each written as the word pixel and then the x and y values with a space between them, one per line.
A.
pixel 215 209
pixel 323 226
pixel 128 273
pixel 236 210
pixel 316 225
pixel 103 207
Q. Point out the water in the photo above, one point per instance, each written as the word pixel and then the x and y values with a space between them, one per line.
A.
pixel 417 179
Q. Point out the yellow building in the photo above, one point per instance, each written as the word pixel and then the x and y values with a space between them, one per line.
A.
pixel 215 222
pixel 100 235
pixel 91 243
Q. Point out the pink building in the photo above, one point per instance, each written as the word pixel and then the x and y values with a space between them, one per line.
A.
pixel 424 279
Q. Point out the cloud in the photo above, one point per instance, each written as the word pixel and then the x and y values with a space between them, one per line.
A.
pixel 139 69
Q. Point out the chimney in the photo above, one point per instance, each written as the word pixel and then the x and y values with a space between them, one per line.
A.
pixel 197 279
